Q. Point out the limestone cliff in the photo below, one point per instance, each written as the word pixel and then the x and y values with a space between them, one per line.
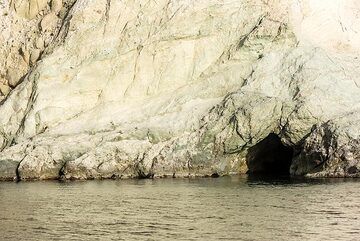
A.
pixel 113 89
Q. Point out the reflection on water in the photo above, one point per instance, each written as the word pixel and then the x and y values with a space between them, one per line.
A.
pixel 238 208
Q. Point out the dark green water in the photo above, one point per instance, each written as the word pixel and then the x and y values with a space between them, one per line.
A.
pixel 229 208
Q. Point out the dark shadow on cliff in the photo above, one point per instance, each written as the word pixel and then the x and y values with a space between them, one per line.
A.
pixel 269 157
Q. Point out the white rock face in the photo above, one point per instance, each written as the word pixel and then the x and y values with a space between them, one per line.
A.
pixel 115 89
pixel 23 37
pixel 332 25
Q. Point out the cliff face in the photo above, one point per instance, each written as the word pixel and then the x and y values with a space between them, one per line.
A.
pixel 110 89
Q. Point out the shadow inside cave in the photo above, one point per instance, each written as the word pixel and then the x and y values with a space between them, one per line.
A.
pixel 269 157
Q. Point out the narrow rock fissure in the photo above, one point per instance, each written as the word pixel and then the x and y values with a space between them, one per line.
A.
pixel 17 172
pixel 270 157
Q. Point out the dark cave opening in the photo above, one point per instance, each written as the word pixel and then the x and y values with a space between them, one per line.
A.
pixel 270 157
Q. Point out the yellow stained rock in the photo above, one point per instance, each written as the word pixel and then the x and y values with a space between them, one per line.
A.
pixel 49 22
pixel 4 89
pixel 29 8
pixel 35 54
pixel 56 5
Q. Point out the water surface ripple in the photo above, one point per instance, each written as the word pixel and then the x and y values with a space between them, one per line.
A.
pixel 228 208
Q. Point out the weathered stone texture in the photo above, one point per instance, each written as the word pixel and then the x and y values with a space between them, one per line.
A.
pixel 113 89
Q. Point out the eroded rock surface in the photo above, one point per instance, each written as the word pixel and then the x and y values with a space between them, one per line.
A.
pixel 27 29
pixel 114 89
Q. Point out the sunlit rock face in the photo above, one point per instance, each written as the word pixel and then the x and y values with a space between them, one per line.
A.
pixel 331 25
pixel 115 89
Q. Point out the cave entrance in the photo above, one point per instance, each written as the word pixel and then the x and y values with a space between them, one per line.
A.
pixel 270 157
